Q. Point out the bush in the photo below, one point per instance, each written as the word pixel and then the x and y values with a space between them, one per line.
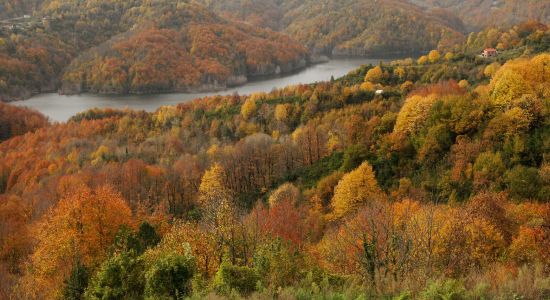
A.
pixel 169 277
pixel 524 182
pixel 353 157
pixel 240 278
pixel 277 263
pixel 119 277
pixel 450 289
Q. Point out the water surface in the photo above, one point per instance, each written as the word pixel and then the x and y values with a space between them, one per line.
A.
pixel 61 108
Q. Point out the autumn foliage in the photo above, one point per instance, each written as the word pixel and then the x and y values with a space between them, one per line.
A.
pixel 433 187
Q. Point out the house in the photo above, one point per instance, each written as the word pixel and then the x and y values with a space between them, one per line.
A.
pixel 379 92
pixel 489 52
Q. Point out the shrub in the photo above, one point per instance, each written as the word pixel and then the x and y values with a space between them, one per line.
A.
pixel 119 277
pixel 169 277
pixel 450 289
pixel 240 278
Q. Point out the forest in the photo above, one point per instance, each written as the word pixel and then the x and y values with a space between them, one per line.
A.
pixel 480 14
pixel 436 188
pixel 109 46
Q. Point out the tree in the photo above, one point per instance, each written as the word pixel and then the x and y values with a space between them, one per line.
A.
pixel 278 264
pixel 487 170
pixel 220 214
pixel 374 75
pixel 464 84
pixel 434 56
pixel 241 278
pixel 422 60
pixel 286 191
pixel 354 190
pixel 413 114
pixel 491 69
pixel 119 277
pixel 523 182
pixel 82 225
pixel 77 282
pixel 169 277
pixel 249 108
pixel 214 197
pixel 281 113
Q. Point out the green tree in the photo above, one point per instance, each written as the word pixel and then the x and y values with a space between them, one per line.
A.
pixel 77 282
pixel 119 277
pixel 523 182
pixel 169 277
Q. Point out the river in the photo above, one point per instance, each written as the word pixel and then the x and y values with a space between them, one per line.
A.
pixel 61 108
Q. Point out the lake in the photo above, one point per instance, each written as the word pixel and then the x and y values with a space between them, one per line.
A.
pixel 61 108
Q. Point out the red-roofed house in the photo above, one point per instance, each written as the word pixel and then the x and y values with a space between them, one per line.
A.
pixel 489 52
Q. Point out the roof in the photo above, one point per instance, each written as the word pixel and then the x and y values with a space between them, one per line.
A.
pixel 490 49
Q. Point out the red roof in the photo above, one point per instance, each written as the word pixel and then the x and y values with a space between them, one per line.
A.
pixel 490 50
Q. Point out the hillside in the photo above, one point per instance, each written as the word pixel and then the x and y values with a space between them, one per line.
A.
pixel 437 188
pixel 351 28
pixel 17 8
pixel 480 14
pixel 120 44
pixel 16 121
pixel 182 48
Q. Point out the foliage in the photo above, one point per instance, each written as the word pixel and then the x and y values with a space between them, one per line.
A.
pixel 119 277
pixel 169 277
pixel 18 121
pixel 326 190
pixel 230 277
pixel 355 189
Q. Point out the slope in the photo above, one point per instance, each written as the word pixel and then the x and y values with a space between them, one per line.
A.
pixel 357 28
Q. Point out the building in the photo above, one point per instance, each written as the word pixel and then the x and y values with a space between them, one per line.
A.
pixel 489 52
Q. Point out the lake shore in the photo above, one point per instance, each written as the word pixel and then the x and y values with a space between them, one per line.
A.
pixel 60 108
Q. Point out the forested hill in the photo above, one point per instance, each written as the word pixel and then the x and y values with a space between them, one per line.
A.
pixel 480 14
pixel 17 8
pixel 350 27
pixel 136 47
pixel 173 46
pixel 436 188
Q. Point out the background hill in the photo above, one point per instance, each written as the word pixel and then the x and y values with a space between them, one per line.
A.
pixel 167 46
pixel 349 27
pixel 478 14
pixel 17 8
pixel 136 47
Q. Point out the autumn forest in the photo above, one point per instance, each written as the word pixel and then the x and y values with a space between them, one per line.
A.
pixel 421 178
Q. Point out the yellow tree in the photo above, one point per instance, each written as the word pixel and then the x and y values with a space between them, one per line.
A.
pixel 374 75
pixel 281 113
pixel 449 56
pixel 219 212
pixel 520 77
pixel 355 189
pixel 434 56
pixel 287 192
pixel 422 60
pixel 414 113
pixel 249 108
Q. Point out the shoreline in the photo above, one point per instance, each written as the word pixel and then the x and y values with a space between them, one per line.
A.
pixel 315 59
